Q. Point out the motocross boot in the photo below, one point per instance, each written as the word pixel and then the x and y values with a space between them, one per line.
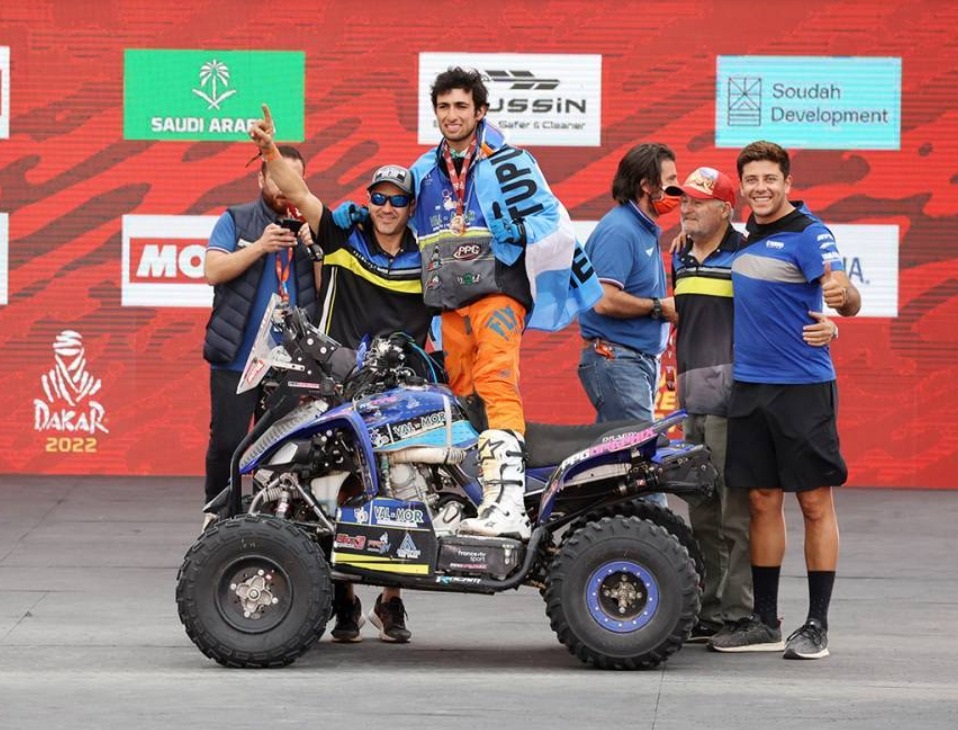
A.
pixel 503 476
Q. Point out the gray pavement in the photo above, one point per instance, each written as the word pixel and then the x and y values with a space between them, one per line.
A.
pixel 89 636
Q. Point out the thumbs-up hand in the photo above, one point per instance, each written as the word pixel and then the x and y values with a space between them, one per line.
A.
pixel 834 293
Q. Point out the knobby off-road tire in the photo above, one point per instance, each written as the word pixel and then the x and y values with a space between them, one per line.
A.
pixel 254 591
pixel 661 516
pixel 622 594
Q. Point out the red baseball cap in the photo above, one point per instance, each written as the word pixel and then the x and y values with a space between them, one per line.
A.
pixel 706 183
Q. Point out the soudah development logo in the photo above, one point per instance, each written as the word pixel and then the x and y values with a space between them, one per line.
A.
pixel 211 95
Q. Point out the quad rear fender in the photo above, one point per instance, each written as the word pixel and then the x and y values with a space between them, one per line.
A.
pixel 611 457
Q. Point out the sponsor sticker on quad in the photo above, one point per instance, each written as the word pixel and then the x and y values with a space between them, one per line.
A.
pixel 162 259
pixel 537 99
pixel 391 515
pixel 211 95
pixel 408 550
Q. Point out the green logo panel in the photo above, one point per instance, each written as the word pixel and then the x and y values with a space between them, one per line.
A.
pixel 211 95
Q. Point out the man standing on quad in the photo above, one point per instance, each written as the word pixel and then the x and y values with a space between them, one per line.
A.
pixel 498 254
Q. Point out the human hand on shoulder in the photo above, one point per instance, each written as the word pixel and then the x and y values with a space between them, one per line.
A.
pixel 677 243
pixel 349 214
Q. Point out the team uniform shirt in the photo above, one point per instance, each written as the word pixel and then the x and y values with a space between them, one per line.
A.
pixel 365 290
pixel 223 238
pixel 624 250
pixel 703 300
pixel 775 276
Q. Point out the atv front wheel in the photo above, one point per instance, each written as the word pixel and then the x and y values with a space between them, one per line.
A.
pixel 254 591
pixel 622 594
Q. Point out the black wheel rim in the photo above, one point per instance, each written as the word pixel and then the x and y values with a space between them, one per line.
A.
pixel 254 594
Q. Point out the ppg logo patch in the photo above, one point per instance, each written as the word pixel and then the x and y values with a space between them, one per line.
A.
pixel 467 251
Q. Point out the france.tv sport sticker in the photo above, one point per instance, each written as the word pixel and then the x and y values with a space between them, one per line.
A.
pixel 810 102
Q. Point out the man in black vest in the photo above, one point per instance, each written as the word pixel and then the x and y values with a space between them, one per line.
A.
pixel 249 258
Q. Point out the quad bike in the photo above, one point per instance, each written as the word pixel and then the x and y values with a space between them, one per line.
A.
pixel 367 477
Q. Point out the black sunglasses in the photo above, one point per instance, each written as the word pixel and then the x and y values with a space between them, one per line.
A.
pixel 398 201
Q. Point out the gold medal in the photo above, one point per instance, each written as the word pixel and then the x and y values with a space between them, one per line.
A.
pixel 457 225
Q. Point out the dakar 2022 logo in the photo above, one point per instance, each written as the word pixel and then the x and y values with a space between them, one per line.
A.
pixel 68 407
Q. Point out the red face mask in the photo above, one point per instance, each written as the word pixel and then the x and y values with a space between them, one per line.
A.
pixel 666 204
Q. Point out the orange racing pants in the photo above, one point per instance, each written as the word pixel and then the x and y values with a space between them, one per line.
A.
pixel 482 342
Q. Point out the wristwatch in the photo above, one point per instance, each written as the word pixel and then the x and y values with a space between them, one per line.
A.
pixel 656 309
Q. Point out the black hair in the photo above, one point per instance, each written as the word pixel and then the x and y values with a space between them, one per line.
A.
pixel 642 162
pixel 460 78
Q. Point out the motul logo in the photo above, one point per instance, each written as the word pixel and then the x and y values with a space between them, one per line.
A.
pixel 163 260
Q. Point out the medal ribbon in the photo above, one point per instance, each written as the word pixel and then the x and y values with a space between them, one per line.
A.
pixel 459 180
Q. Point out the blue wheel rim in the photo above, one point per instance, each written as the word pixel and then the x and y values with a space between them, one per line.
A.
pixel 622 596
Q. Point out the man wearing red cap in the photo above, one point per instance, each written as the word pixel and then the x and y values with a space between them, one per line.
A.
pixel 702 283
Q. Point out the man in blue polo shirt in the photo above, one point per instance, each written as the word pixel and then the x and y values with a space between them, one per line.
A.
pixel 624 335
pixel 782 433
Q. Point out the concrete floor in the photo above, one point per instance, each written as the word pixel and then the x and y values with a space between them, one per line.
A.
pixel 89 636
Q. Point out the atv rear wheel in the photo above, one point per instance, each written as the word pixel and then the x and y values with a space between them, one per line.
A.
pixel 254 591
pixel 622 594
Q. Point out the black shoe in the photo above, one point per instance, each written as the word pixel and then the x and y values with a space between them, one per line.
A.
pixel 390 619
pixel 702 632
pixel 349 619
pixel 748 634
pixel 807 642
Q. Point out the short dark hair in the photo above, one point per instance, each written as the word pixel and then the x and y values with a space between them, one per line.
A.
pixel 460 78
pixel 762 150
pixel 289 152
pixel 642 162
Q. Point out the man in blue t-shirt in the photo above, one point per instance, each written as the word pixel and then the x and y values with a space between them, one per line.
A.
pixel 782 434
pixel 249 258
pixel 624 335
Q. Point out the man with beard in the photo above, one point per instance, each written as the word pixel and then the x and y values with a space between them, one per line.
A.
pixel 625 333
pixel 249 258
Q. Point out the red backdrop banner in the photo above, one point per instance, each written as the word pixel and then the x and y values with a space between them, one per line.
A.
pixel 103 213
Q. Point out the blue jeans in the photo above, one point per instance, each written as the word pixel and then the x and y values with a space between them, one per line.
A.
pixel 621 389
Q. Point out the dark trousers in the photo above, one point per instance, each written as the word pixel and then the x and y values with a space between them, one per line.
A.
pixel 230 416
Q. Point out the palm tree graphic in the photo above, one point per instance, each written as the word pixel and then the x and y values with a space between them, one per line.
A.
pixel 212 73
